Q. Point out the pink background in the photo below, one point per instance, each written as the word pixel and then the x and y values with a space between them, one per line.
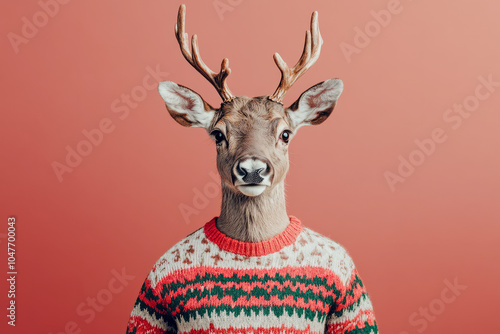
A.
pixel 120 207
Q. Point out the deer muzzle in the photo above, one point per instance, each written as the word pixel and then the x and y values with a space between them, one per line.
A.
pixel 252 175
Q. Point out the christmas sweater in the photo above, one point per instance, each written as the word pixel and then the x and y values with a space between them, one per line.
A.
pixel 296 282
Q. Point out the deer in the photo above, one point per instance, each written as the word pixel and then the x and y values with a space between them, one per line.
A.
pixel 213 280
pixel 251 134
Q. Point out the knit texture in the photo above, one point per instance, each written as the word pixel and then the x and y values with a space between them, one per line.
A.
pixel 297 282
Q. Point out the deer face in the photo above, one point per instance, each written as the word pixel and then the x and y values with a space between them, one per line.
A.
pixel 251 134
pixel 252 144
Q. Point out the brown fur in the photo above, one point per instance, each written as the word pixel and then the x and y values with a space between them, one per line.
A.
pixel 250 127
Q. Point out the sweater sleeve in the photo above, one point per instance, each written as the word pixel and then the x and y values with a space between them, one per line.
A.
pixel 353 311
pixel 150 315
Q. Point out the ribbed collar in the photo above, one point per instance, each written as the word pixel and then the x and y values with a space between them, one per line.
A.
pixel 275 244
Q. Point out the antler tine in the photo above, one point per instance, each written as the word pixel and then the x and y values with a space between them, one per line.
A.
pixel 312 49
pixel 218 80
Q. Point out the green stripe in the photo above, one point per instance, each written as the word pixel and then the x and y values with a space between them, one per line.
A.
pixel 149 295
pixel 201 278
pixel 251 310
pixel 235 293
pixel 350 293
pixel 365 330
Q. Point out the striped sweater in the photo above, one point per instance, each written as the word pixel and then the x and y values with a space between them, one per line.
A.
pixel 297 282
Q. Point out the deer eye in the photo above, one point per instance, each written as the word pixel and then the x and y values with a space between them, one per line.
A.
pixel 219 136
pixel 285 136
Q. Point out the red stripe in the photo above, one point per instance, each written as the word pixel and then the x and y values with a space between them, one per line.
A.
pixel 260 330
pixel 184 276
pixel 248 287
pixel 244 301
pixel 285 238
pixel 357 290
pixel 142 326
pixel 149 302
pixel 357 323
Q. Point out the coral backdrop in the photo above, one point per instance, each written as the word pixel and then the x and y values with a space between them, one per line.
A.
pixel 101 181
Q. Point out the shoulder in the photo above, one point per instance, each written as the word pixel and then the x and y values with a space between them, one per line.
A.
pixel 327 253
pixel 178 257
pixel 315 240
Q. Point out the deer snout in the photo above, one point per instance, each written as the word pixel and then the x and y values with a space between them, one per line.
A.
pixel 252 175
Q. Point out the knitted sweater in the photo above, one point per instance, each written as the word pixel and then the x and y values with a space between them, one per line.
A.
pixel 296 282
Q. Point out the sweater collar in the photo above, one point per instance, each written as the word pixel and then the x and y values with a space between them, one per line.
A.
pixel 275 244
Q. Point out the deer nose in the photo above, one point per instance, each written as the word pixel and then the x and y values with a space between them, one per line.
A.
pixel 251 170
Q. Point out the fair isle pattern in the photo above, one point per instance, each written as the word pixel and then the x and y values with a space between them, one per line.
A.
pixel 297 282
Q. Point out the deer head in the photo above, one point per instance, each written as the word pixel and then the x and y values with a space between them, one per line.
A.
pixel 251 134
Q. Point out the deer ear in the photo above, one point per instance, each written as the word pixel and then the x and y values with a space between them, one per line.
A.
pixel 186 106
pixel 315 104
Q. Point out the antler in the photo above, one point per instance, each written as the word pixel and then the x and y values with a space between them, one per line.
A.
pixel 194 58
pixel 310 54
